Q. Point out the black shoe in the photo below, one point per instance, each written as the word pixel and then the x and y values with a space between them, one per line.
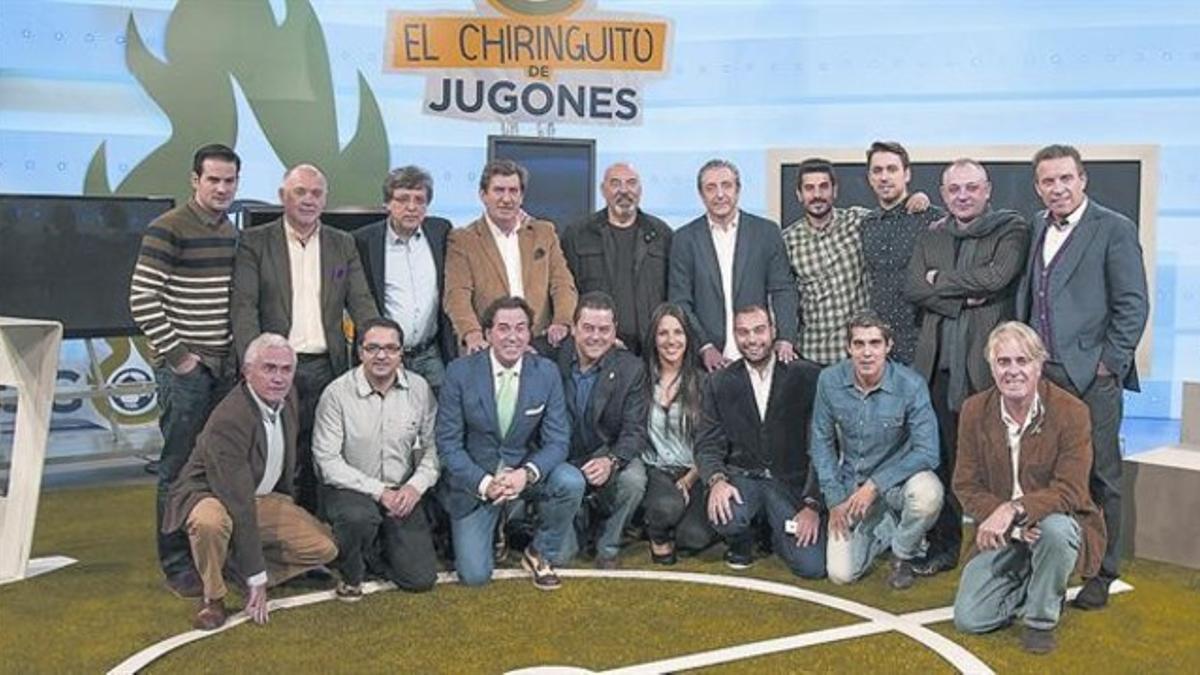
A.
pixel 667 558
pixel 928 566
pixel 739 555
pixel 1038 641
pixel 1094 594
pixel 185 584
pixel 901 576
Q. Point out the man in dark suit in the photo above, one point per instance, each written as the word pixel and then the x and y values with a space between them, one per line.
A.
pixel 296 278
pixel 622 251
pixel 752 451
pixel 234 496
pixel 963 275
pixel 728 258
pixel 502 434
pixel 605 390
pixel 1084 292
pixel 404 258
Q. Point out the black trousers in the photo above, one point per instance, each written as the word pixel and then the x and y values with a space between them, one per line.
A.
pixel 945 538
pixel 668 518
pixel 313 374
pixel 368 539
pixel 1105 400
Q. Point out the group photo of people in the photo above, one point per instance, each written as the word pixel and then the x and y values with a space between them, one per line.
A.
pixel 839 392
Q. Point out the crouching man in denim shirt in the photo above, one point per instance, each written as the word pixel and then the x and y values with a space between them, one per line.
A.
pixel 874 447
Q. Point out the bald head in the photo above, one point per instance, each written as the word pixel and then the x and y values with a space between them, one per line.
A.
pixel 622 190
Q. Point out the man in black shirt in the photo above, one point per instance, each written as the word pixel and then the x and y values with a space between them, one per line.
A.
pixel 889 233
pixel 622 251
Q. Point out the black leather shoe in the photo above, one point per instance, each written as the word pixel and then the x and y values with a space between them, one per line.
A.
pixel 1038 641
pixel 1094 594
pixel 937 563
pixel 740 555
pixel 901 575
pixel 185 584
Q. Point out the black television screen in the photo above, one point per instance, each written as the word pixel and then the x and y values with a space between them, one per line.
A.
pixel 69 259
pixel 347 219
pixel 562 175
pixel 1115 183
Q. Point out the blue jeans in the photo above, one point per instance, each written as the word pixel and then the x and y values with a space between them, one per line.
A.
pixel 184 402
pixel 897 521
pixel 428 364
pixel 557 497
pixel 1019 579
pixel 766 495
pixel 611 505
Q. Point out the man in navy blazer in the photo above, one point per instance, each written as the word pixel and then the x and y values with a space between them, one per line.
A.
pixel 728 258
pixel 1084 292
pixel 403 257
pixel 497 445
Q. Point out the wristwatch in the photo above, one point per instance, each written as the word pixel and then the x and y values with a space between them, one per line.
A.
pixel 715 478
pixel 530 475
pixel 1021 517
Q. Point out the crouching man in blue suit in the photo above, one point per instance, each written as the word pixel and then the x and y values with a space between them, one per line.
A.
pixel 502 434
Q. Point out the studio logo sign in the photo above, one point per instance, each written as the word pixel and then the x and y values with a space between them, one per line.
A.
pixel 531 61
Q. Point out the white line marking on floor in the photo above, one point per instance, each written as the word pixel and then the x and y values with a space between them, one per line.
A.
pixel 878 621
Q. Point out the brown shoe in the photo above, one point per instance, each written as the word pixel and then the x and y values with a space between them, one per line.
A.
pixel 1038 641
pixel 544 577
pixel 211 615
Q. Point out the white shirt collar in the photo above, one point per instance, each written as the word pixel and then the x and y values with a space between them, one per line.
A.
pixel 498 368
pixel 395 238
pixel 271 415
pixel 1075 216
pixel 1019 428
pixel 733 224
pixel 496 231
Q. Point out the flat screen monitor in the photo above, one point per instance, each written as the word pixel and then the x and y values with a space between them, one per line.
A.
pixel 562 175
pixel 69 259
pixel 346 219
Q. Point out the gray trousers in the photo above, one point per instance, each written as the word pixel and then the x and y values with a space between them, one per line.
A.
pixel 1026 580
pixel 898 520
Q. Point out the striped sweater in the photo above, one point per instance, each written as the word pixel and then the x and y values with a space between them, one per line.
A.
pixel 179 293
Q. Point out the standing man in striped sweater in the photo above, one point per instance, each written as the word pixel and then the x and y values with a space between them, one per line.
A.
pixel 179 297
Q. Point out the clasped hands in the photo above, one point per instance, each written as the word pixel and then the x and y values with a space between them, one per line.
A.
pixel 506 485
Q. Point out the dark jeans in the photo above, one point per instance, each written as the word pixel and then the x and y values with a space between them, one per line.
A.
pixel 313 374
pixel 668 518
pixel 369 539
pixel 1105 401
pixel 768 497
pixel 945 539
pixel 184 402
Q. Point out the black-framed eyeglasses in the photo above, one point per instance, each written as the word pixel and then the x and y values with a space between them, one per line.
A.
pixel 373 349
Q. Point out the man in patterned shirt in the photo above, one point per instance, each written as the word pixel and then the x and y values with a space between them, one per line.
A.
pixel 179 297
pixel 825 250
pixel 889 233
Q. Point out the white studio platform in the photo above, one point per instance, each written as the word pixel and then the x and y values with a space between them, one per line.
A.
pixel 28 364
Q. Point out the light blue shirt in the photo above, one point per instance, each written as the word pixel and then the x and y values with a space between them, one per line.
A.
pixel 410 285
pixel 886 435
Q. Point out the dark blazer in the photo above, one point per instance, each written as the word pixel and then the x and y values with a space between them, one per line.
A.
pixel 1056 458
pixel 992 274
pixel 590 251
pixel 619 406
pixel 262 288
pixel 228 462
pixel 1097 294
pixel 732 435
pixel 371 240
pixel 761 276
pixel 468 433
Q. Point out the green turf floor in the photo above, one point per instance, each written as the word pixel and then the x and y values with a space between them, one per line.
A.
pixel 92 615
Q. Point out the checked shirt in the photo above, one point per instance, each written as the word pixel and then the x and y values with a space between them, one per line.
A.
pixel 828 265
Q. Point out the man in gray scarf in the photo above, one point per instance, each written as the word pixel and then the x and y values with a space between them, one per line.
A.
pixel 963 276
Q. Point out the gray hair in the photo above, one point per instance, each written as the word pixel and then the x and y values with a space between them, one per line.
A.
pixel 717 164
pixel 1025 338
pixel 263 342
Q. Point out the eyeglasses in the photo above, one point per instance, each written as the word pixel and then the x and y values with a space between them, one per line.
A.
pixel 373 349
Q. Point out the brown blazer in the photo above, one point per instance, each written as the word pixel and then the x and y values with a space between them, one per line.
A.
pixel 475 276
pixel 1056 458
pixel 262 288
pixel 228 462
